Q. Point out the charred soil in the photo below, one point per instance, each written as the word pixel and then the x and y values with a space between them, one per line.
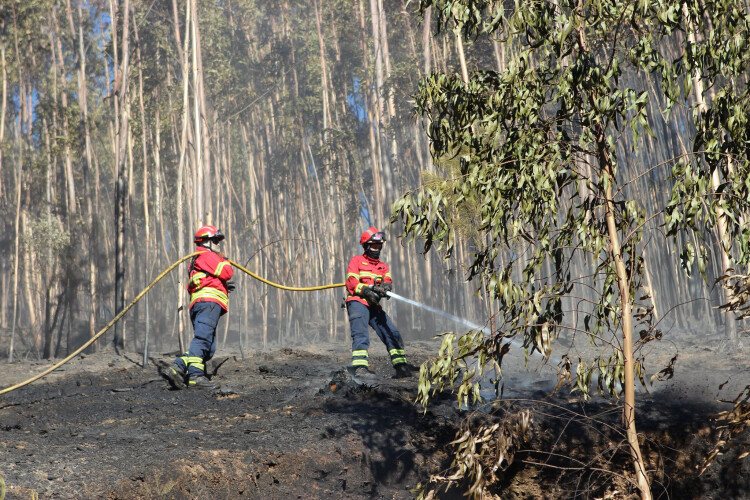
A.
pixel 291 423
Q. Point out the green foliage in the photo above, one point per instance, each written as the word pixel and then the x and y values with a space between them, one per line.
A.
pixel 720 59
pixel 521 139
pixel 45 239
pixel 47 235
pixel 470 358
pixel 532 156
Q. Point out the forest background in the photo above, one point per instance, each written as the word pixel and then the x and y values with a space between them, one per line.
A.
pixel 291 126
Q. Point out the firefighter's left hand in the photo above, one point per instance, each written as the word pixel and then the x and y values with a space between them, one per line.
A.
pixel 379 290
pixel 230 286
pixel 388 287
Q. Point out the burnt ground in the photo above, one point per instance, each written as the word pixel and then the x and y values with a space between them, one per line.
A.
pixel 288 423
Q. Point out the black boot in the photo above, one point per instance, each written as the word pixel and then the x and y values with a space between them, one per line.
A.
pixel 402 370
pixel 202 382
pixel 362 374
pixel 176 376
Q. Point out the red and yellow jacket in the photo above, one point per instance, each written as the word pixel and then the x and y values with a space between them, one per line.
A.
pixel 364 271
pixel 208 276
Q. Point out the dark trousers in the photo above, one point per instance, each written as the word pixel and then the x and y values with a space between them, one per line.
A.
pixel 205 318
pixel 362 316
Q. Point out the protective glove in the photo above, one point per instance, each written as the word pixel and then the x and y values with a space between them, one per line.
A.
pixel 230 286
pixel 370 295
pixel 388 287
pixel 379 289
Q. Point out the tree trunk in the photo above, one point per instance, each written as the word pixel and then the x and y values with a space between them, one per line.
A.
pixel 181 305
pixel 323 68
pixel 200 204
pixel 721 227
pixel 377 34
pixel 121 188
pixel 85 131
pixel 146 235
pixel 16 243
pixel 19 188
pixel 627 349
pixel 623 283
pixel 386 54
pixel 3 99
pixel 68 155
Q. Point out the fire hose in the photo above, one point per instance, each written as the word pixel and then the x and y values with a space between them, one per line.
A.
pixel 138 297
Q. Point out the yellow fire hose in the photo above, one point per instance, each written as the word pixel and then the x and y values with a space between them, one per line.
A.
pixel 139 297
pixel 283 287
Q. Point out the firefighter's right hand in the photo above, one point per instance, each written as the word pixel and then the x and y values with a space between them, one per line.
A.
pixel 369 294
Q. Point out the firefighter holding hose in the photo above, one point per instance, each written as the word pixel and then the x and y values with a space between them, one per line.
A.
pixel 368 280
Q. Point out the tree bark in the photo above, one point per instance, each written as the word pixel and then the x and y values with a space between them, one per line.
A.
pixel 623 283
pixel 121 188
pixel 721 226
pixel 4 98
pixel 85 131
pixel 379 118
pixel 200 193
pixel 323 68
pixel 146 236
pixel 16 243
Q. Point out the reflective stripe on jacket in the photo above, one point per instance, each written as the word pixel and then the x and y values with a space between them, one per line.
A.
pixel 364 271
pixel 208 276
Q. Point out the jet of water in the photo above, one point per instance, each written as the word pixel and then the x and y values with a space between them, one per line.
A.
pixel 474 326
pixel 456 319
pixel 451 317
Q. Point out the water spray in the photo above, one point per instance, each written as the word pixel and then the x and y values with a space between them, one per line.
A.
pixel 456 319
pixel 476 327
pixel 451 317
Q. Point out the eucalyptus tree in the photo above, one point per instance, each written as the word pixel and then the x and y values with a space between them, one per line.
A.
pixel 121 189
pixel 531 161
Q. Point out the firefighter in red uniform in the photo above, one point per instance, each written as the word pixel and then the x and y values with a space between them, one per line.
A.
pixel 368 279
pixel 209 286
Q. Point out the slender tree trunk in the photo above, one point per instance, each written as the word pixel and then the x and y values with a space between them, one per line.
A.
pixel 146 241
pixel 47 274
pixel 19 187
pixel 3 110
pixel 207 163
pixel 121 189
pixel 721 227
pixel 200 211
pixel 68 155
pixel 623 284
pixel 84 126
pixel 3 101
pixel 185 61
pixel 373 128
pixel 16 242
pixel 386 54
pixel 323 68
pixel 627 347
pixel 377 36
